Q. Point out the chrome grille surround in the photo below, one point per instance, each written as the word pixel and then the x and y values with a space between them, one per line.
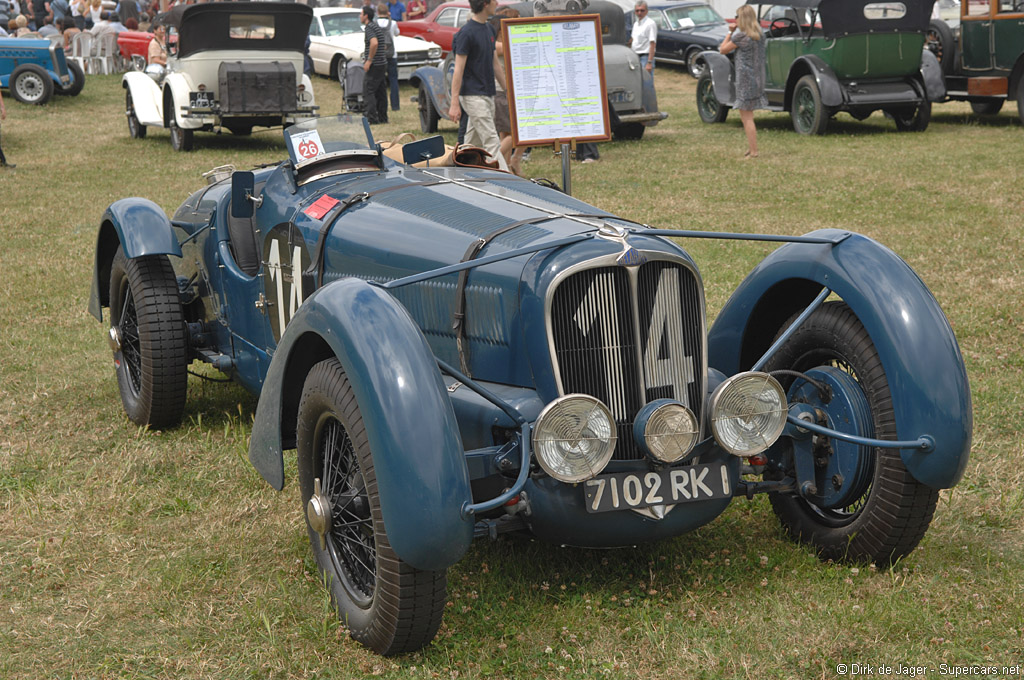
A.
pixel 588 299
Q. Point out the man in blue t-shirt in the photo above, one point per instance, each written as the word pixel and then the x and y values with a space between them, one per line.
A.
pixel 397 10
pixel 476 67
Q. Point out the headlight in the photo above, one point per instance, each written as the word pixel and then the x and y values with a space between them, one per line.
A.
pixel 574 437
pixel 434 53
pixel 666 430
pixel 748 413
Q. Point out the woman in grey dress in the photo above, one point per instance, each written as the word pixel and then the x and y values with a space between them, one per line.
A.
pixel 748 43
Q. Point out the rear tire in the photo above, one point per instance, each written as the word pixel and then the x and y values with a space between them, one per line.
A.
pixel 917 121
pixel 1020 99
pixel 182 139
pixel 429 117
pixel 987 108
pixel 629 131
pixel 810 117
pixel 939 39
pixel 77 81
pixel 709 108
pixel 151 355
pixel 387 605
pixel 890 510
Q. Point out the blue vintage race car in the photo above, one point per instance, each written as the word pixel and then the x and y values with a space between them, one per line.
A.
pixel 34 70
pixel 460 352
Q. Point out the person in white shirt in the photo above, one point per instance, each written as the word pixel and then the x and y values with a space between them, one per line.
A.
pixel 644 36
pixel 390 28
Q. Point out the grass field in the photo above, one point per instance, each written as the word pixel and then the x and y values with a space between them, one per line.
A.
pixel 127 553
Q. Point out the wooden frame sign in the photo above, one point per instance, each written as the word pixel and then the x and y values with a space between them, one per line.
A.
pixel 554 77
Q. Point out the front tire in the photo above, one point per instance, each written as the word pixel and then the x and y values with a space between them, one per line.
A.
pixel 694 65
pixel 888 511
pixel 387 605
pixel 136 130
pixel 709 108
pixel 149 339
pixel 810 117
pixel 30 84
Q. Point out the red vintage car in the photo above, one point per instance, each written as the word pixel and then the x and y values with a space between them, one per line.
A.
pixel 134 43
pixel 441 24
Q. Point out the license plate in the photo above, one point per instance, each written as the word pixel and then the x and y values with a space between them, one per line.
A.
pixel 619 97
pixel 200 100
pixel 627 490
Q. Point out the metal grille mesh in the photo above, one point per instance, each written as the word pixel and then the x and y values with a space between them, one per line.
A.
pixel 629 343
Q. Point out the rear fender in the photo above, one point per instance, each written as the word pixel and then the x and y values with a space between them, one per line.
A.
pixel 828 84
pixel 422 476
pixel 649 96
pixel 931 76
pixel 432 80
pixel 930 392
pixel 141 228
pixel 145 97
pixel 720 67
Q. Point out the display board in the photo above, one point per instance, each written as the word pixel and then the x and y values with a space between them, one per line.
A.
pixel 554 75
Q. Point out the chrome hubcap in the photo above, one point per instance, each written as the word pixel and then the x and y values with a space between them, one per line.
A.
pixel 114 338
pixel 318 513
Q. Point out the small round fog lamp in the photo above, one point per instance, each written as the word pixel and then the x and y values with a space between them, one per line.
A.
pixel 666 430
pixel 574 437
pixel 748 413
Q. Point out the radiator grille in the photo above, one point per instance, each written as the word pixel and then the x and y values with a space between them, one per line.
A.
pixel 629 337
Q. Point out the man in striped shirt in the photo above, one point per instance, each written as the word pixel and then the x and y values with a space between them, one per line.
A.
pixel 375 64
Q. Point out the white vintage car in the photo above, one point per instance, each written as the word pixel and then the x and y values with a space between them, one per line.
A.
pixel 230 66
pixel 336 36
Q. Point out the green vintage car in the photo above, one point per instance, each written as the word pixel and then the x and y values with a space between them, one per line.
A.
pixel 828 56
pixel 983 57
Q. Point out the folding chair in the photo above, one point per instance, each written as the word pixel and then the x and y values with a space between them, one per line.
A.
pixel 82 50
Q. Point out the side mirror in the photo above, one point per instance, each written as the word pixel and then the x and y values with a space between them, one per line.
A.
pixel 242 184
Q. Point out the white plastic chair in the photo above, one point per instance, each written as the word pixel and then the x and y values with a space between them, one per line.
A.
pixel 82 50
pixel 106 52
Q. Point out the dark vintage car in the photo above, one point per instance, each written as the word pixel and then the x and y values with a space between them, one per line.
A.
pixel 632 99
pixel 231 65
pixel 460 353
pixel 34 70
pixel 828 56
pixel 983 56
pixel 685 29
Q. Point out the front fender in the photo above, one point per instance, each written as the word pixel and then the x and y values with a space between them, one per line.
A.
pixel 828 84
pixel 176 87
pixel 931 75
pixel 431 79
pixel 720 67
pixel 422 476
pixel 141 228
pixel 922 361
pixel 146 97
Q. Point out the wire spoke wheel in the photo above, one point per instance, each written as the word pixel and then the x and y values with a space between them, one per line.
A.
pixel 350 539
pixel 883 512
pixel 149 339
pixel 388 605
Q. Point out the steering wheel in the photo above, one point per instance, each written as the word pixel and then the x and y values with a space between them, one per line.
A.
pixel 783 25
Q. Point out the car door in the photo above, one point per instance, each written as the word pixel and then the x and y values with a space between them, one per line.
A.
pixel 668 46
pixel 319 51
pixel 1007 34
pixel 976 37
